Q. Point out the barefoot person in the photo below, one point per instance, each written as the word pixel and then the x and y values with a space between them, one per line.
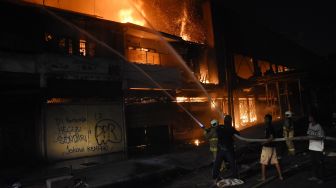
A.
pixel 268 153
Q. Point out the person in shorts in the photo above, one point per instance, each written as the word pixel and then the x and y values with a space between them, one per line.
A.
pixel 268 153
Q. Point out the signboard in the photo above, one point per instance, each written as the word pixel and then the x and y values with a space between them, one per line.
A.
pixel 74 131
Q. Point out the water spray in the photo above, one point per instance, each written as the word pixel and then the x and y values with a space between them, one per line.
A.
pixel 124 59
pixel 185 66
pixel 178 57
pixel 168 94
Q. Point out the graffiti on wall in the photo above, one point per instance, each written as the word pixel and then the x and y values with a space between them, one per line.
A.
pixel 83 130
pixel 68 133
pixel 106 131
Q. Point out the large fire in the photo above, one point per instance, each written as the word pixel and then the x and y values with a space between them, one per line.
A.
pixel 247 112
pixel 204 74
pixel 170 16
pixel 183 21
pixel 126 17
pixel 115 10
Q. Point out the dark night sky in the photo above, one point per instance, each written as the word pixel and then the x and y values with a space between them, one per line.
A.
pixel 311 25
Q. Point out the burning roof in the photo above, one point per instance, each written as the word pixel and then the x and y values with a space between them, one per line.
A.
pixel 169 16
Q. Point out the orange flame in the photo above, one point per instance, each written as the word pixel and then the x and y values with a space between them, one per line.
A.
pixel 122 11
pixel 247 111
pixel 115 10
pixel 184 19
pixel 204 74
pixel 126 16
pixel 196 142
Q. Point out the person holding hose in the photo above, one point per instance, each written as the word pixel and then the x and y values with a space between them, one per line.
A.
pixel 288 132
pixel 268 153
pixel 211 135
pixel 225 148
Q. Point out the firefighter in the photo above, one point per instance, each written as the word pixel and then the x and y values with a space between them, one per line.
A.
pixel 211 135
pixel 288 132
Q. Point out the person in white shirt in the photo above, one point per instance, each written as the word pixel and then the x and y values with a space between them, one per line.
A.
pixel 316 148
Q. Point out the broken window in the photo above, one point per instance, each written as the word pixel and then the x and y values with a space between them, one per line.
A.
pixel 244 66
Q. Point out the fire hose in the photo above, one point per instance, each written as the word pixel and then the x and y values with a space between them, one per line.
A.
pixel 284 139
pixel 300 138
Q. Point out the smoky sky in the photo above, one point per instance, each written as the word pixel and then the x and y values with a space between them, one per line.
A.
pixel 311 25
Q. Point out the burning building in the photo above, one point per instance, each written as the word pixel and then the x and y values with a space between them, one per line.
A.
pixel 83 94
pixel 70 65
pixel 263 71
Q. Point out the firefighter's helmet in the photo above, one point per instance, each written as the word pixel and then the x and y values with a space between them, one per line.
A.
pixel 289 114
pixel 214 123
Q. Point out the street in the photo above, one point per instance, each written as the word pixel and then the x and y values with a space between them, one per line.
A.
pixel 293 176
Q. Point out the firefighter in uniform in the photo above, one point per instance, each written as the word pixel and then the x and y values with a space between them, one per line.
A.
pixel 211 135
pixel 288 132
